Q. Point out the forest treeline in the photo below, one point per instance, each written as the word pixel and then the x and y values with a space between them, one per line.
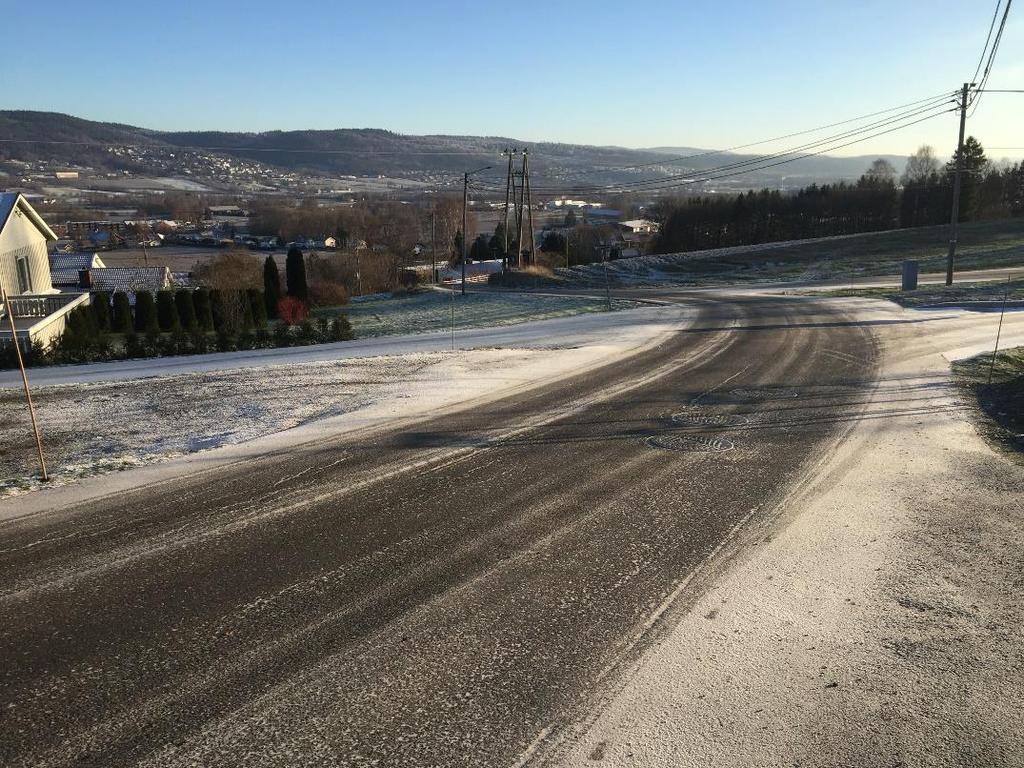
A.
pixel 879 200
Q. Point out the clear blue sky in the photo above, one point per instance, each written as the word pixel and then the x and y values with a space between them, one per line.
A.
pixel 706 73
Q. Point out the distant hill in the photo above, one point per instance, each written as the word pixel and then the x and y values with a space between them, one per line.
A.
pixel 66 140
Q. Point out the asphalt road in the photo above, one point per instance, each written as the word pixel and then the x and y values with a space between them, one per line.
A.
pixel 446 595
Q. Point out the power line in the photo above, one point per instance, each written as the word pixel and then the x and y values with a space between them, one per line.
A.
pixel 988 38
pixel 709 153
pixel 991 59
pixel 748 164
pixel 713 174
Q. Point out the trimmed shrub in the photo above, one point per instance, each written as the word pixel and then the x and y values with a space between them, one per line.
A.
pixel 145 313
pixel 203 308
pixel 295 275
pixel 186 309
pixel 341 329
pixel 248 323
pixel 166 311
pixel 80 341
pixel 121 321
pixel 258 307
pixel 271 287
pixel 282 335
pixel 225 341
pixel 134 345
pixel 100 304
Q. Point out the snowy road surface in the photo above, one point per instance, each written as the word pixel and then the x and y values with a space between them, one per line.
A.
pixel 490 587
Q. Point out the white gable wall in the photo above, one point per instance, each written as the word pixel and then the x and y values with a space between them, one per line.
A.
pixel 21 237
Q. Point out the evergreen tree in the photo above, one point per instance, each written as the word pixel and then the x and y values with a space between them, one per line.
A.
pixel 248 322
pixel 259 307
pixel 145 313
pixel 217 310
pixel 295 275
pixel 204 311
pixel 271 287
pixel 101 309
pixel 480 250
pixel 186 308
pixel 122 315
pixel 166 311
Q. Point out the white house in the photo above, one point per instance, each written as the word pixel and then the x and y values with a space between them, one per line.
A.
pixel 39 311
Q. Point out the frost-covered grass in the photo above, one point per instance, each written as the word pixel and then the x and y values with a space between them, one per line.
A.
pixel 983 245
pixel 1001 399
pixel 432 311
pixel 987 294
pixel 92 429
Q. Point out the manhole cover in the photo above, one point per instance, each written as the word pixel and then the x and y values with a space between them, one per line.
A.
pixel 765 393
pixel 691 443
pixel 697 419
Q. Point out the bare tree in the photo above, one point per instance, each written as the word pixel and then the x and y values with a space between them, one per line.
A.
pixel 881 171
pixel 920 166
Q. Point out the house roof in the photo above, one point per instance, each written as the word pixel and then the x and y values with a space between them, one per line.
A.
pixel 11 200
pixel 75 261
pixel 130 279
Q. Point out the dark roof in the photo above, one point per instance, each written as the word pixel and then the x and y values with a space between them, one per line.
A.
pixel 64 277
pixel 130 279
pixel 60 261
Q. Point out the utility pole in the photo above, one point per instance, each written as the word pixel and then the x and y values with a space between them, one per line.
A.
pixel 465 199
pixel 954 224
pixel 529 201
pixel 566 250
pixel 465 202
pixel 519 214
pixel 24 381
pixel 433 251
pixel 509 191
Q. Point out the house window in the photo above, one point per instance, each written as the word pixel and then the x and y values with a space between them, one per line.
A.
pixel 24 276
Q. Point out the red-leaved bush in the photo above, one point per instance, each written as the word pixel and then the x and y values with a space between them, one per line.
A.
pixel 291 310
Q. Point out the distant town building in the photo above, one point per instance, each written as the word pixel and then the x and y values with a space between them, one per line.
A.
pixel 225 210
pixel 66 175
pixel 639 226
pixel 98 234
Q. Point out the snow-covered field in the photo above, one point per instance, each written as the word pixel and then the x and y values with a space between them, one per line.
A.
pixel 437 310
pixel 103 418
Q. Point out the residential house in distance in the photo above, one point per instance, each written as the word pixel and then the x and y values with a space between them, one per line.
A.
pixel 38 309
pixel 66 268
pixel 77 272
pixel 97 234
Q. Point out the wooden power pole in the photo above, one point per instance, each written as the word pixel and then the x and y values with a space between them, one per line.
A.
pixel 954 224
pixel 24 381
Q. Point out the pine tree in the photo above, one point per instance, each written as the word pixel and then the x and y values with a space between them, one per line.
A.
pixel 271 287
pixel 145 313
pixel 295 275
pixel 166 311
pixel 122 319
